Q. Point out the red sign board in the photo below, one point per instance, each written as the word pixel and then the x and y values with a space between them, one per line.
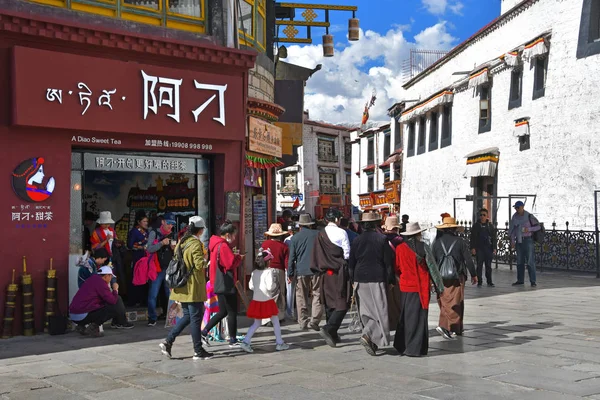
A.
pixel 68 91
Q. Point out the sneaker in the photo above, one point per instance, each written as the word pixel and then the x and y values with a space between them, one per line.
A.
pixel 151 322
pixel 234 345
pixel 93 330
pixel 165 348
pixel 127 325
pixel 282 347
pixel 205 340
pixel 518 283
pixel 453 335
pixel 246 347
pixel 328 339
pixel 365 341
pixel 444 332
pixel 203 355
pixel 491 285
pixel 534 284
pixel 80 329
pixel 314 326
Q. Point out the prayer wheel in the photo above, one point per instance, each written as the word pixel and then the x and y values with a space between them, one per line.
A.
pixel 50 294
pixel 328 45
pixel 27 287
pixel 9 308
pixel 353 31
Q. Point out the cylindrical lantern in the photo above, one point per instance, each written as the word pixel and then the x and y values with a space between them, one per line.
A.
pixel 353 31
pixel 328 45
pixel 9 308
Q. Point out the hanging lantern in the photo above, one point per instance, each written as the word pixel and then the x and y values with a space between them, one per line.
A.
pixel 353 31
pixel 327 45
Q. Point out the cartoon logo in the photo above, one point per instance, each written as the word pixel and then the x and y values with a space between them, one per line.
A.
pixel 29 183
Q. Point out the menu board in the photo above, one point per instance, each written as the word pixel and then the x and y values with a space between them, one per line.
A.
pixel 259 209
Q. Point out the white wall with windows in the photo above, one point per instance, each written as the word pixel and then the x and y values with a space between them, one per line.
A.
pixel 557 92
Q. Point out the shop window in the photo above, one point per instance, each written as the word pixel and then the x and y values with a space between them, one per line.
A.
pixel 516 88
pixel 326 150
pixel 397 134
pixel 485 112
pixel 411 140
pixel 589 29
pixel 387 145
pixel 327 184
pixel 421 145
pixel 252 24
pixel 348 153
pixel 370 183
pixel 371 151
pixel 446 126
pixel 290 182
pixel 539 81
pixel 433 130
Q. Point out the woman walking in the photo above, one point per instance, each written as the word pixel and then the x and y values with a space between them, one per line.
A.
pixel 263 283
pixel 417 269
pixel 193 295
pixel 223 275
pixel 371 264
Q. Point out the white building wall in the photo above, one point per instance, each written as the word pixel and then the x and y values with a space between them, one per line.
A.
pixel 561 166
pixel 356 180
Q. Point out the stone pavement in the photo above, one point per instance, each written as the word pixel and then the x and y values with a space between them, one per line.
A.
pixel 520 343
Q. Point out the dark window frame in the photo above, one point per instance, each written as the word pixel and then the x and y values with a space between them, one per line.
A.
pixel 446 134
pixel 371 151
pixel 397 134
pixel 422 138
pixel 411 139
pixel 540 76
pixel 434 130
pixel 515 100
pixel 347 153
pixel 589 43
pixel 487 126
pixel 370 183
pixel 387 145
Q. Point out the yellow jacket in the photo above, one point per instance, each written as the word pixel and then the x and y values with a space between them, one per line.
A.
pixel 193 256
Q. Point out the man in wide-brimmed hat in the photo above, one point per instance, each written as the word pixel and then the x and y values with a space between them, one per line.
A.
pixel 281 253
pixel 371 266
pixel 308 284
pixel 391 229
pixel 451 302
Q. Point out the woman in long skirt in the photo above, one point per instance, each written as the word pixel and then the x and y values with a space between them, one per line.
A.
pixel 417 269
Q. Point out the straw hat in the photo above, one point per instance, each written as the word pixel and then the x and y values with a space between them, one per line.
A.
pixel 370 217
pixel 275 230
pixel 412 228
pixel 105 218
pixel 391 223
pixel 305 220
pixel 448 223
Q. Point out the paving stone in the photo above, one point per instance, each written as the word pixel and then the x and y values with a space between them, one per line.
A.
pixel 135 394
pixel 152 380
pixel 50 393
pixel 85 382
pixel 193 390
pixel 15 382
pixel 182 368
pixel 44 369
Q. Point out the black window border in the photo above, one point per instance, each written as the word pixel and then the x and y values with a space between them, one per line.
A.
pixel 370 158
pixel 434 145
pixel 541 92
pixel 410 151
pixel 586 48
pixel 516 103
pixel 488 126
pixel 397 134
pixel 445 142
pixel 370 178
pixel 422 147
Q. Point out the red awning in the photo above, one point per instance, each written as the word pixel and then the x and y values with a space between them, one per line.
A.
pixel 369 167
pixel 396 157
pixel 262 163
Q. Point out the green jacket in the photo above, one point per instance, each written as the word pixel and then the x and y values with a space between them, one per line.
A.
pixel 193 256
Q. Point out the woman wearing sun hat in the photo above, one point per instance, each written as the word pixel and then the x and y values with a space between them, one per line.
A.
pixel 416 266
pixel 452 301
pixel 281 253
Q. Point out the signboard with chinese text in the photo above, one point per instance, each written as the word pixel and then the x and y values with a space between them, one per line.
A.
pixel 127 163
pixel 97 94
pixel 264 138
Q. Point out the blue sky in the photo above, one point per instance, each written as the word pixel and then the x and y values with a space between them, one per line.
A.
pixel 389 28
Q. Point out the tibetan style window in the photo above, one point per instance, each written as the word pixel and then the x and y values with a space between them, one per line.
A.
pixel 539 80
pixel 411 139
pixel 516 88
pixel 397 134
pixel 252 23
pixel 387 145
pixel 327 184
pixel 485 111
pixel 326 150
pixel 290 182
pixel 371 151
pixel 370 183
pixel 446 126
pixel 422 135
pixel 433 130
pixel 589 29
pixel 347 153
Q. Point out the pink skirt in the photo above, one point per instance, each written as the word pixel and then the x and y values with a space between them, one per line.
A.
pixel 262 309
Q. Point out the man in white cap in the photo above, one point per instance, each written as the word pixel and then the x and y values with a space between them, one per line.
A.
pixel 95 303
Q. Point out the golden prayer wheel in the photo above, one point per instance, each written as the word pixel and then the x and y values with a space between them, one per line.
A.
pixel 328 45
pixel 50 294
pixel 9 308
pixel 353 31
pixel 27 287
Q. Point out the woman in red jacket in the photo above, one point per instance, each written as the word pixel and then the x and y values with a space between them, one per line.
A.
pixel 223 275
pixel 416 266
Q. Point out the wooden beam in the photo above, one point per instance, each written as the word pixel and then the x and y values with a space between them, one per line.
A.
pixel 293 40
pixel 303 23
pixel 318 6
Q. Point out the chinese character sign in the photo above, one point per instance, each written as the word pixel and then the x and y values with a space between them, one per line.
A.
pixel 25 216
pixel 107 162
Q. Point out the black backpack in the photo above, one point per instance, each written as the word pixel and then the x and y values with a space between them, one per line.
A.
pixel 448 268
pixel 178 273
pixel 538 236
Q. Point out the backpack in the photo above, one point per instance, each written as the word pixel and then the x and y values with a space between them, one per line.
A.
pixel 538 236
pixel 448 267
pixel 178 273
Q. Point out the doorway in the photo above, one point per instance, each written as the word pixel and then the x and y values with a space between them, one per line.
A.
pixel 484 193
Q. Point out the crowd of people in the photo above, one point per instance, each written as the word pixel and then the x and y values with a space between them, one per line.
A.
pixel 387 268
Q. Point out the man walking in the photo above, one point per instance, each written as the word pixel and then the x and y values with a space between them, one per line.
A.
pixel 483 246
pixel 520 231
pixel 345 225
pixel 307 283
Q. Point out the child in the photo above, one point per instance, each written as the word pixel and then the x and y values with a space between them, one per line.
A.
pixel 263 282
pixel 90 266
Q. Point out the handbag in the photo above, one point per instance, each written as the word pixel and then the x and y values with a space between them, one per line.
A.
pixel 224 282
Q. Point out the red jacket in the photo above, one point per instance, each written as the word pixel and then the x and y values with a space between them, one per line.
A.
pixel 227 259
pixel 414 276
pixel 280 251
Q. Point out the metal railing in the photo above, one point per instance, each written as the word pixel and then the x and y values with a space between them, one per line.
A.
pixel 327 157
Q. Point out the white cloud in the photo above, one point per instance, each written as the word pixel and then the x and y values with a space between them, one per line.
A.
pixel 338 92
pixel 457 8
pixel 436 7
